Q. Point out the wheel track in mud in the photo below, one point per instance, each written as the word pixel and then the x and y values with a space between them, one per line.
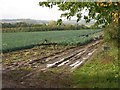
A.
pixel 14 66
pixel 67 59
pixel 76 58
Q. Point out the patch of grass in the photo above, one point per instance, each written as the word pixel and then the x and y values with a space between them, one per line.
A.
pixel 99 72
pixel 25 68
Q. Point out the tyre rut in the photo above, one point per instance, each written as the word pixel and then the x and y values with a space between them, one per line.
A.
pixel 67 60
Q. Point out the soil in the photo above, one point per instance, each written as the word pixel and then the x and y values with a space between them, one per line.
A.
pixel 49 68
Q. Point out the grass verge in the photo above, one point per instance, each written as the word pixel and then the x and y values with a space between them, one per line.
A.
pixel 99 72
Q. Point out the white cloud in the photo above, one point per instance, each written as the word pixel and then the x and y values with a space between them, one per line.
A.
pixel 27 9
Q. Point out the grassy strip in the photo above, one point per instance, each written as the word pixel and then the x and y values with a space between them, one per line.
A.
pixel 100 72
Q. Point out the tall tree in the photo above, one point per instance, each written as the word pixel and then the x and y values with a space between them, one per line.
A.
pixel 103 12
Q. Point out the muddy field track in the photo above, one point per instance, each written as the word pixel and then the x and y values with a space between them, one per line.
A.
pixel 35 60
pixel 68 59
pixel 73 59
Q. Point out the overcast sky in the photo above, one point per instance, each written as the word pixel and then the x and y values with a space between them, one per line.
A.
pixel 17 9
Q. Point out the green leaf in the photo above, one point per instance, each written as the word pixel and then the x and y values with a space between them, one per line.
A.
pixel 59 22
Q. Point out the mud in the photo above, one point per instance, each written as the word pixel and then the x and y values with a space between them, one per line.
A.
pixel 67 60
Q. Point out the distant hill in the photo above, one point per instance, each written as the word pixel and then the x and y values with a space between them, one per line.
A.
pixel 81 22
pixel 32 21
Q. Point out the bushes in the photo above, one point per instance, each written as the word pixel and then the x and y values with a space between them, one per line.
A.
pixel 111 32
pixel 24 27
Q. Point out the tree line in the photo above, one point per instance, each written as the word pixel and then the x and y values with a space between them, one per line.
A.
pixel 51 26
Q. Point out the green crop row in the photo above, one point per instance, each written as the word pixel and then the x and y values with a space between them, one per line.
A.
pixel 21 40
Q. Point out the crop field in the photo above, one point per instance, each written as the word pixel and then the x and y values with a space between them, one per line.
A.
pixel 55 55
pixel 21 40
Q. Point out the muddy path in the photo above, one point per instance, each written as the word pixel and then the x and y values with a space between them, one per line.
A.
pixel 64 61
pixel 58 59
pixel 67 60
